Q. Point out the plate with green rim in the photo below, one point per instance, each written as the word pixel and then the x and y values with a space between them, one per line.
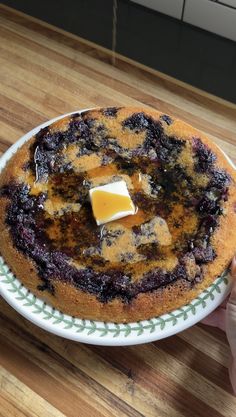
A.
pixel 104 333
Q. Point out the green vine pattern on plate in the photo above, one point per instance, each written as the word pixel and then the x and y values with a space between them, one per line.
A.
pixel 103 329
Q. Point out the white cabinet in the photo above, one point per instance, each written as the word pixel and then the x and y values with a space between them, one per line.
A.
pixel 216 17
pixel 171 7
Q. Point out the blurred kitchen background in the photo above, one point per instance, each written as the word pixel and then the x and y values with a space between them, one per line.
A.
pixel 191 40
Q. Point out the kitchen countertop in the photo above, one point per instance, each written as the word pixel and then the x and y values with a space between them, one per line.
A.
pixel 46 72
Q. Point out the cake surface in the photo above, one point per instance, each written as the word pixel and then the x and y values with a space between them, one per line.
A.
pixel 180 239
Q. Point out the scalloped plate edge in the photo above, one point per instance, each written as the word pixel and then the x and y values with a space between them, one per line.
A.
pixel 101 333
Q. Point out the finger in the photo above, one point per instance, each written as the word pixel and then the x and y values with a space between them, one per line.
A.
pixel 233 268
pixel 231 321
pixel 224 304
pixel 216 319
pixel 232 298
pixel 231 325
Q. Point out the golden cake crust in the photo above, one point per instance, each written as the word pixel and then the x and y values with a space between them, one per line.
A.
pixel 76 302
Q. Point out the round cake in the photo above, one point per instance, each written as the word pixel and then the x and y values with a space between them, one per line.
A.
pixel 180 238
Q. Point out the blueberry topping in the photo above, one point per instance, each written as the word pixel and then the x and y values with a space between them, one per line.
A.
pixel 110 111
pixel 167 119
pixel 203 256
pixel 219 179
pixel 204 156
pixel 137 122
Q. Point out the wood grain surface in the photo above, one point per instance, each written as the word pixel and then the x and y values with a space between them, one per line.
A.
pixel 46 72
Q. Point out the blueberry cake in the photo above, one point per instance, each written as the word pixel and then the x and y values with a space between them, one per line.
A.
pixel 181 237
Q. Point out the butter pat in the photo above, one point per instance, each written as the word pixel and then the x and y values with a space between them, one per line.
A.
pixel 111 202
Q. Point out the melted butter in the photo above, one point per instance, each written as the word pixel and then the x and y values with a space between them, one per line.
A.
pixel 35 187
pixel 107 179
pixel 137 181
pixel 105 174
pixel 129 221
pixel 106 205
pixel 103 171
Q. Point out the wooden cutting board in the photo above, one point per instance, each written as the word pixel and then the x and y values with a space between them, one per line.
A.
pixel 46 72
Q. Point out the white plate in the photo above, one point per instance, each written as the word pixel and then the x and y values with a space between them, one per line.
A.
pixel 101 333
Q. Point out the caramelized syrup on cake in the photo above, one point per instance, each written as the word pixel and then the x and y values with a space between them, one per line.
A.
pixel 140 243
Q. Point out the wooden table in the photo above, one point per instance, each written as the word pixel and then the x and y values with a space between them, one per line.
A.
pixel 46 72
